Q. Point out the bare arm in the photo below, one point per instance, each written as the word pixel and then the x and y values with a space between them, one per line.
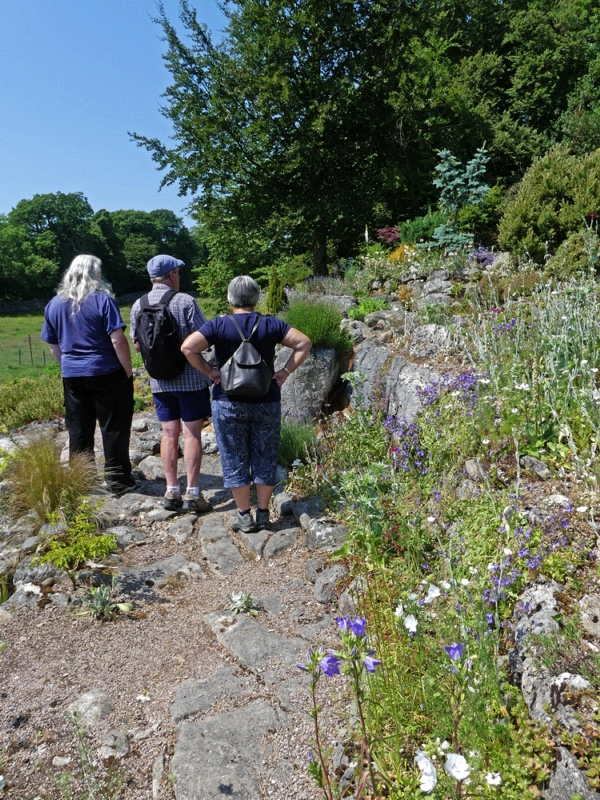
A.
pixel 121 345
pixel 300 344
pixel 56 351
pixel 192 349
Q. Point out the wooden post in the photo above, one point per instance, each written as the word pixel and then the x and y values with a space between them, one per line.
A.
pixel 30 350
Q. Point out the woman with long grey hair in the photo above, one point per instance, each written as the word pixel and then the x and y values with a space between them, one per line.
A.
pixel 85 332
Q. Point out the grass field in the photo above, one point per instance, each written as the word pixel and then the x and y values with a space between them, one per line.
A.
pixel 24 355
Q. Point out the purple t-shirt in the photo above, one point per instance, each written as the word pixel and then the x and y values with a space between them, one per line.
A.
pixel 84 337
pixel 221 332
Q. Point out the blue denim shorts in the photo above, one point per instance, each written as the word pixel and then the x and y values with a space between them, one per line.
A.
pixel 248 440
pixel 187 406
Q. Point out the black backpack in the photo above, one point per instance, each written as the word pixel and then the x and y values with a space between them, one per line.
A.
pixel 159 339
pixel 245 374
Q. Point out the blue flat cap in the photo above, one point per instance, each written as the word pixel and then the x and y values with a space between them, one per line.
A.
pixel 160 265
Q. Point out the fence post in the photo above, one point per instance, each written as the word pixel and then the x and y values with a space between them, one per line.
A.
pixel 30 350
pixel 19 356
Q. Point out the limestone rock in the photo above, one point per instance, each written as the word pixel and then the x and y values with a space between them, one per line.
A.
pixel 325 534
pixel 589 613
pixel 304 392
pixel 152 468
pixel 250 642
pixel 219 756
pixel 278 543
pixel 91 707
pixel 195 696
pixel 428 341
pixel 536 466
pixel 326 583
pixel 567 780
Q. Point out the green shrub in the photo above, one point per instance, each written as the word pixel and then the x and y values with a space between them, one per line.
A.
pixel 558 192
pixel 31 399
pixel 367 306
pixel 42 485
pixel 275 296
pixel 421 229
pixel 320 321
pixel 80 542
pixel 297 439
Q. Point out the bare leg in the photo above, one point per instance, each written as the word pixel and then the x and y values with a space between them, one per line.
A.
pixel 192 450
pixel 263 495
pixel 169 450
pixel 241 495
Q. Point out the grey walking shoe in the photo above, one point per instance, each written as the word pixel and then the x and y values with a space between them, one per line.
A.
pixel 195 502
pixel 242 522
pixel 173 502
pixel 263 521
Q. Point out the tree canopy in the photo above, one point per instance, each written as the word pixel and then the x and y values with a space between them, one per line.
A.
pixel 40 237
pixel 313 118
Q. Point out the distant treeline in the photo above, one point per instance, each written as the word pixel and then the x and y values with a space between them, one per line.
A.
pixel 39 238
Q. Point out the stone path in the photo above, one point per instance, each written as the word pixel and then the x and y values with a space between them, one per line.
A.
pixel 223 753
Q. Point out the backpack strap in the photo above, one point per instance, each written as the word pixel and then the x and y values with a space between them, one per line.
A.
pixel 239 330
pixel 167 297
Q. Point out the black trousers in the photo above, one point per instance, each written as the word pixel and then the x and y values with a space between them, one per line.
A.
pixel 108 399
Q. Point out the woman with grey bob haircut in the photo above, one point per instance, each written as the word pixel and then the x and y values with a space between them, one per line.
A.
pixel 84 330
pixel 243 292
pixel 247 428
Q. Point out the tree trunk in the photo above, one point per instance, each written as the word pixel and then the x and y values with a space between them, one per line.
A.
pixel 320 254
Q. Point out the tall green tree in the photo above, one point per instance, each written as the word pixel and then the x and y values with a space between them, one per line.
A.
pixel 279 128
pixel 58 225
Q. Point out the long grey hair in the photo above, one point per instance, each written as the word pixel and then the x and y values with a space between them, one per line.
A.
pixel 83 277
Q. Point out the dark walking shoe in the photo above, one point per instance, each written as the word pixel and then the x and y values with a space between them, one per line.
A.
pixel 119 489
pixel 173 502
pixel 196 503
pixel 242 522
pixel 263 520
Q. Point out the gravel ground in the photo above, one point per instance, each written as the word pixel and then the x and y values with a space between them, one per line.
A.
pixel 50 656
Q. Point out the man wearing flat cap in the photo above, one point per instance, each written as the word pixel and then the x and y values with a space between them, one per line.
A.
pixel 183 401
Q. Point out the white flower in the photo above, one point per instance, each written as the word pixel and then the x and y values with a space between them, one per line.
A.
pixel 493 778
pixel 491 567
pixel 473 570
pixel 581 509
pixel 483 380
pixel 485 441
pixel 594 369
pixel 445 745
pixel 507 551
pixel 296 463
pixel 432 593
pixel 584 361
pixel 465 582
pixel 430 519
pixel 428 778
pixel 143 698
pixel 410 623
pixel 399 612
pixel 515 410
pixel 412 596
pixel 456 766
pixel 445 585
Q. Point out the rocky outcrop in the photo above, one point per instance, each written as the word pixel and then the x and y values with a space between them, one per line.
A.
pixel 306 389
pixel 390 380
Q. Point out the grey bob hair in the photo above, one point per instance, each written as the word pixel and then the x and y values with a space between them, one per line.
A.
pixel 243 291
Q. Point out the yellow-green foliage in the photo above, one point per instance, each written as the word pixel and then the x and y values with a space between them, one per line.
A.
pixel 558 192
pixel 42 485
pixel 79 543
pixel 31 399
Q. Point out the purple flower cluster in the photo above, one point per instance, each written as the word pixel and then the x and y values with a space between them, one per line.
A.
pixel 482 257
pixel 504 327
pixel 465 384
pixel 354 632
pixel 407 452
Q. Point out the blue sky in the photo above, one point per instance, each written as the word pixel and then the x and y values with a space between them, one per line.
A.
pixel 76 76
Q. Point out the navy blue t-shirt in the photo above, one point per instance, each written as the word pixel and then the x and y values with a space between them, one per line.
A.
pixel 84 337
pixel 222 333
